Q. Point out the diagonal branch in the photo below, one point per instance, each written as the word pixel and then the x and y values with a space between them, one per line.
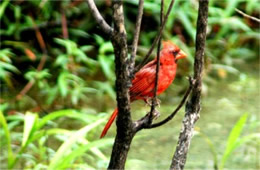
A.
pixel 186 95
pixel 144 123
pixel 136 36
pixel 99 19
pixel 40 66
pixel 248 16
pixel 156 38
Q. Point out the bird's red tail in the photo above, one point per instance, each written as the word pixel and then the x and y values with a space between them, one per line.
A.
pixel 109 123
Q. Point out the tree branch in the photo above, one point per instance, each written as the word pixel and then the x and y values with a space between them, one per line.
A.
pixel 186 95
pixel 248 16
pixel 193 106
pixel 143 123
pixel 152 112
pixel 125 133
pixel 156 39
pixel 99 19
pixel 136 37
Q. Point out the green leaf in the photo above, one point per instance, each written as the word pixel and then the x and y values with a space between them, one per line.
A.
pixel 3 106
pixel 86 48
pixel 212 148
pixel 30 120
pixel 3 6
pixel 105 48
pixel 230 7
pixel 99 39
pixel 6 66
pixel 37 75
pixel 233 138
pixel 252 5
pixel 68 44
pixel 55 115
pixel 245 139
pixel 62 84
pixel 106 64
pixel 82 149
pixel 62 61
pixel 78 32
pixel 6 54
pixel 7 137
pixel 187 24
pixel 63 150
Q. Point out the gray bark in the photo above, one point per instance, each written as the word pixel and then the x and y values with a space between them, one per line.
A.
pixel 193 105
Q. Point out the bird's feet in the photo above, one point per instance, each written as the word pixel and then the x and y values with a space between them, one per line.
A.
pixel 149 101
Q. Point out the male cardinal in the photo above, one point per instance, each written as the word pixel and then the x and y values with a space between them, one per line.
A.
pixel 144 81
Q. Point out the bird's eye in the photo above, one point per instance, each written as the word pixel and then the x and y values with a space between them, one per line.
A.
pixel 175 53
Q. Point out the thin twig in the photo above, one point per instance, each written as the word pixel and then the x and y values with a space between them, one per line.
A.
pixel 136 36
pixel 248 16
pixel 26 88
pixel 64 25
pixel 99 19
pixel 156 38
pixel 157 70
pixel 40 66
pixel 42 45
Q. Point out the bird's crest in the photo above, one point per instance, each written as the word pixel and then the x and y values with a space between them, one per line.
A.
pixel 169 44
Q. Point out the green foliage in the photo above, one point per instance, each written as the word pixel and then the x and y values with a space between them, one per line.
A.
pixel 6 66
pixel 35 135
pixel 235 140
pixel 7 138
pixel 79 72
pixel 2 7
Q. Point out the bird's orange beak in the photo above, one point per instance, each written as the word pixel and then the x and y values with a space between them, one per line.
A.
pixel 181 55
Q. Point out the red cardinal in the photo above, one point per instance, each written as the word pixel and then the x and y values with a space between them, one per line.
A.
pixel 144 80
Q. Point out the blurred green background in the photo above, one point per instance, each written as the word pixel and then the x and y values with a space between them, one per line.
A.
pixel 57 86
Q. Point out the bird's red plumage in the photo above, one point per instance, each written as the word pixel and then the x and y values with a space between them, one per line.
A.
pixel 144 80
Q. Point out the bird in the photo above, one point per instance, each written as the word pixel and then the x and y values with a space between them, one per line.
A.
pixel 143 83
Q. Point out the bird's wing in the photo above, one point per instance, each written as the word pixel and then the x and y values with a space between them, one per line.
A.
pixel 143 83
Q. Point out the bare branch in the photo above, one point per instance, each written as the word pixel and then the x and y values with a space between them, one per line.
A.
pixel 99 19
pixel 40 66
pixel 193 106
pixel 136 35
pixel 248 16
pixel 152 112
pixel 156 38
